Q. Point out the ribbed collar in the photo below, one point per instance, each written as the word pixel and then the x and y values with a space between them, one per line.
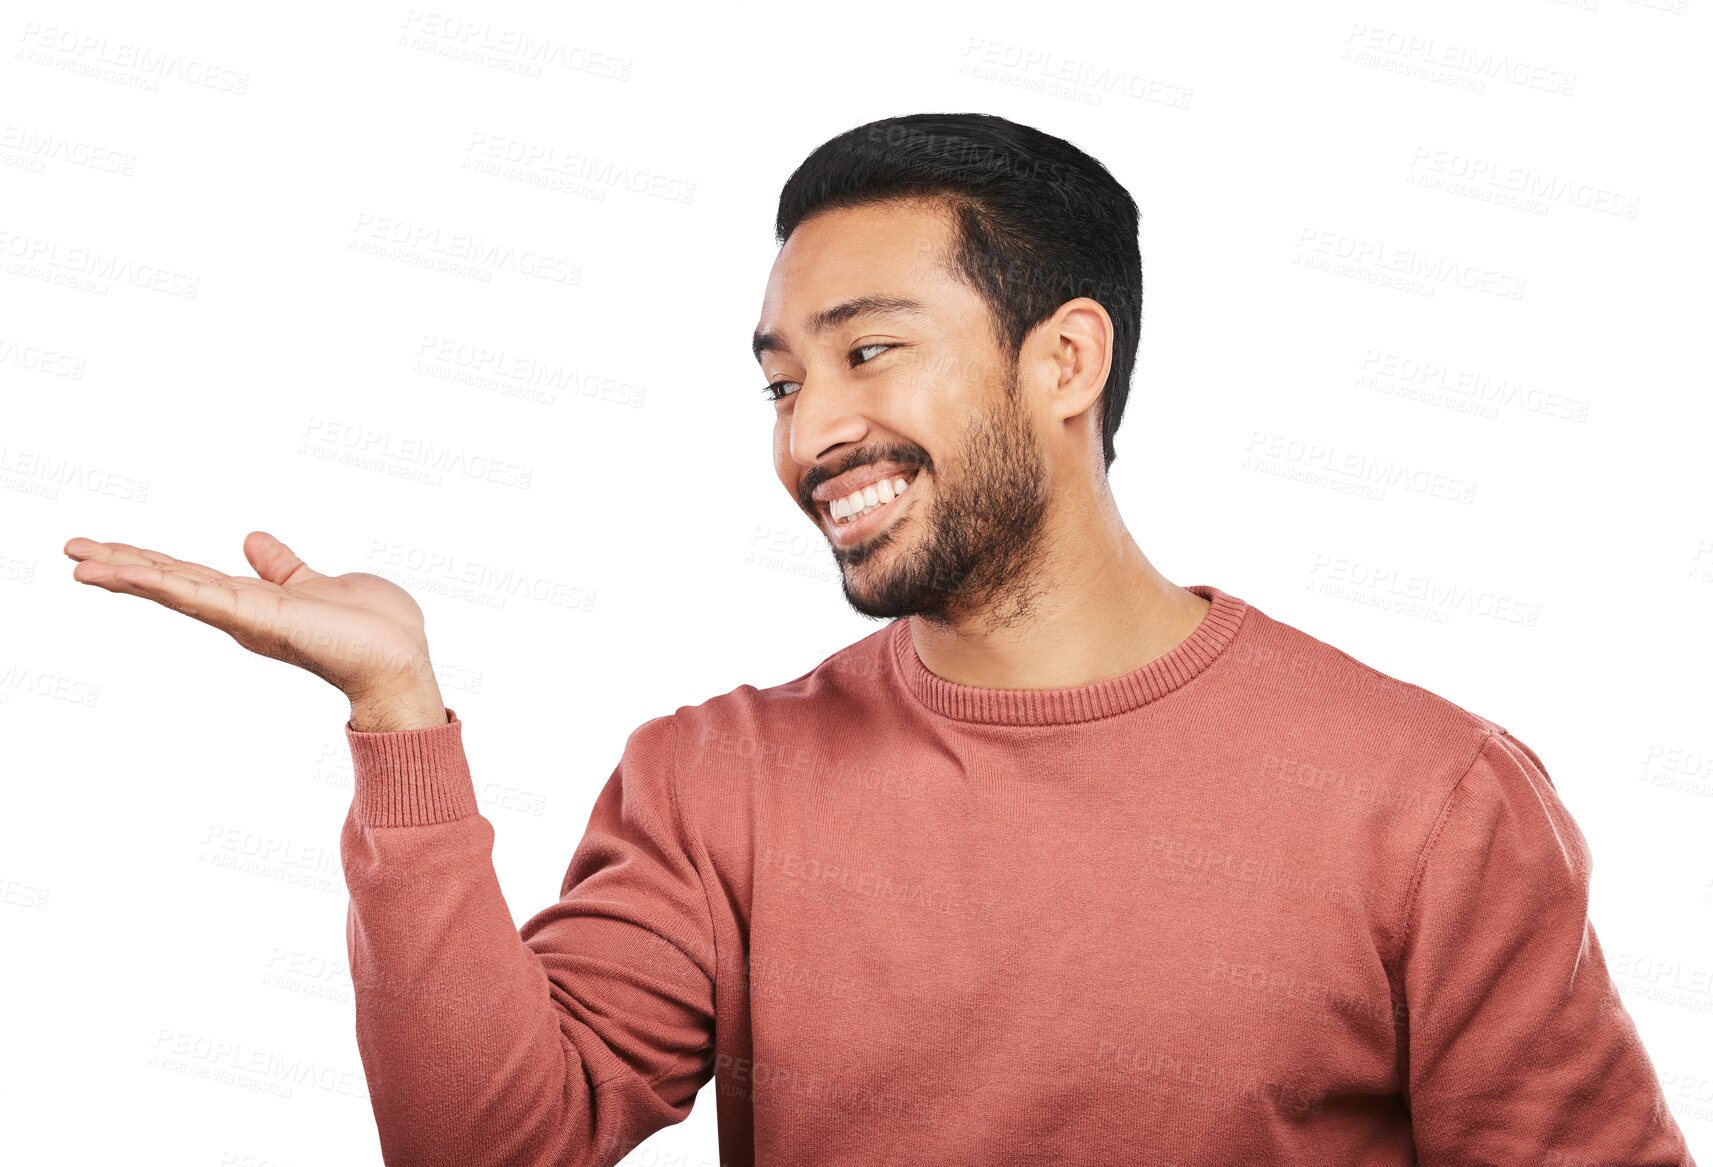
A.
pixel 1083 702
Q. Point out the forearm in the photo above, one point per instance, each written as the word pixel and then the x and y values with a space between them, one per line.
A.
pixel 469 1059
pixel 460 1042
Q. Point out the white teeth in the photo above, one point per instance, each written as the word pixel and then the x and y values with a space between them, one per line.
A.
pixel 860 502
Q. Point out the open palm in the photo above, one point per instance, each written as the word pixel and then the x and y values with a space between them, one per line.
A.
pixel 359 632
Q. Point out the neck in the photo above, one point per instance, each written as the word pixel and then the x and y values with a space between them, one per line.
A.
pixel 1097 609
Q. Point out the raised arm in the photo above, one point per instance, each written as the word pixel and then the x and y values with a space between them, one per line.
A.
pixel 564 1043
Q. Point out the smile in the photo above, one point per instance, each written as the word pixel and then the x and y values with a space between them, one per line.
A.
pixel 850 517
pixel 857 503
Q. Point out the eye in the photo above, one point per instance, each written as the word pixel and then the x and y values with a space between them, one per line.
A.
pixel 865 348
pixel 775 391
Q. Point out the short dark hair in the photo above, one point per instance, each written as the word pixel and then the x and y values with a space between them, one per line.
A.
pixel 1039 222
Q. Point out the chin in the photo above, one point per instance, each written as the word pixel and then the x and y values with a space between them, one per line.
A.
pixel 875 590
pixel 875 607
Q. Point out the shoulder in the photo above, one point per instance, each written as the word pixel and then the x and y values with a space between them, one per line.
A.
pixel 1333 724
pixel 859 665
pixel 1412 770
pixel 749 729
pixel 1318 680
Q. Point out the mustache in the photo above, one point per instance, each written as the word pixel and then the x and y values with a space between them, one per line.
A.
pixel 904 455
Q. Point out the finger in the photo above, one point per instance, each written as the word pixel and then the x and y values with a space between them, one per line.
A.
pixel 117 554
pixel 274 561
pixel 90 549
pixel 199 599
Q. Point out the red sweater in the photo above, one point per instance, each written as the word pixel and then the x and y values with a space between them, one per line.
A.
pixel 1254 902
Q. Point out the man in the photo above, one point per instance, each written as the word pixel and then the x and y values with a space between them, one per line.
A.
pixel 1063 864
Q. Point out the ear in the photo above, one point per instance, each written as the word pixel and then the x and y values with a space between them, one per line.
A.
pixel 1077 342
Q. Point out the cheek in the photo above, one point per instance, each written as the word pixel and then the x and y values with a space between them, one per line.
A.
pixel 931 416
pixel 936 392
pixel 782 462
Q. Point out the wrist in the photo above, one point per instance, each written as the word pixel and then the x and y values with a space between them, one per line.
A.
pixel 389 712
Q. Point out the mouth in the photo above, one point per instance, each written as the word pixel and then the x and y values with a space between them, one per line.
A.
pixel 860 513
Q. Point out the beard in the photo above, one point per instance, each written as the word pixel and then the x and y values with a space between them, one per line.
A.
pixel 981 532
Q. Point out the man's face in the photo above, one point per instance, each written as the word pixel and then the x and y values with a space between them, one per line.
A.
pixel 872 396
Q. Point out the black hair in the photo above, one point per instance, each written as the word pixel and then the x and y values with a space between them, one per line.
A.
pixel 1038 221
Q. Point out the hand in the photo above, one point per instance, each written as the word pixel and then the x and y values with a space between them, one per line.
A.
pixel 358 632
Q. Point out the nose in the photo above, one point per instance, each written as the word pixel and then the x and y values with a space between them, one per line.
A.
pixel 824 418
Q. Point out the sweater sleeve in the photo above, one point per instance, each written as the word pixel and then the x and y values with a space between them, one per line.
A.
pixel 565 1042
pixel 1518 1048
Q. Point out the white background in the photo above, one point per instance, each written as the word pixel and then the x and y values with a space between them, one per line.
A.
pixel 601 550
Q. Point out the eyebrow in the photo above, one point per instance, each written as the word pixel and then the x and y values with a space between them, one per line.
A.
pixel 875 304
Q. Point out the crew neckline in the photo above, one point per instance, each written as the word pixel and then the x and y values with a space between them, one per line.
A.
pixel 1089 702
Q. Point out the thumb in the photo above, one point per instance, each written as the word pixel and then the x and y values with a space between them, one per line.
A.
pixel 274 561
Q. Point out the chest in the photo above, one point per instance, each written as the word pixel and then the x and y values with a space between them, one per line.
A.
pixel 1149 944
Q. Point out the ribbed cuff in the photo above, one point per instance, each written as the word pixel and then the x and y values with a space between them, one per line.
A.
pixel 411 777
